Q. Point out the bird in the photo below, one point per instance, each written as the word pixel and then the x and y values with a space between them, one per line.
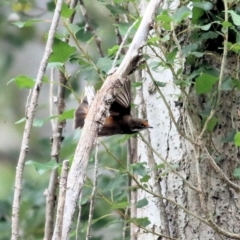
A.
pixel 120 120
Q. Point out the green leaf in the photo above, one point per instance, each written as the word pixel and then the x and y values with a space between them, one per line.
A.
pixel 126 137
pixel 120 205
pixel 27 23
pixel 204 83
pixel 160 84
pixel 74 28
pixel 21 121
pixel 234 47
pixel 237 139
pixel 142 203
pixel 165 20
pixel 230 136
pixel 136 84
pixel 41 168
pixel 145 178
pixel 116 9
pixel 207 6
pixel 181 13
pixel 141 221
pixel 112 51
pixel 38 122
pixel 104 64
pixel 235 17
pixel 236 173
pixel 66 11
pixel 68 114
pixel 61 51
pixel 227 84
pixel 211 124
pixel 23 81
pixel 83 35
pixel 139 168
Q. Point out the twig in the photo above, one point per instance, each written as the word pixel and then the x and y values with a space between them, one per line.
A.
pixel 91 207
pixel 61 201
pixel 29 121
pixel 97 114
pixel 224 58
pixel 89 27
pixel 220 172
pixel 169 165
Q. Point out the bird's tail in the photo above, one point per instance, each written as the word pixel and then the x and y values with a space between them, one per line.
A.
pixel 82 110
pixel 80 114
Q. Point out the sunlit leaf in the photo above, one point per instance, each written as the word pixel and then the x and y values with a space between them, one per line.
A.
pixel 142 203
pixel 120 205
pixel 23 81
pixel 204 83
pixel 237 139
pixel 68 114
pixel 66 11
pixel 235 17
pixel 61 51
pixel 41 168
pixel 27 23
pixel 207 6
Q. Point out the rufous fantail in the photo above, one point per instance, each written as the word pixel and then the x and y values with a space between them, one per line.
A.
pixel 120 120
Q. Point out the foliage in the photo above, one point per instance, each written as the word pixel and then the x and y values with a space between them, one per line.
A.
pixel 205 39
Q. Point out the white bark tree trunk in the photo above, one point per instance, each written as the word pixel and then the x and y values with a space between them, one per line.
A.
pixel 207 201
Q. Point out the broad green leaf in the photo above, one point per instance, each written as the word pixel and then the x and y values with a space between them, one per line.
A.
pixel 120 205
pixel 68 114
pixel 41 168
pixel 83 35
pixel 124 28
pixel 116 183
pixel 236 173
pixel 126 137
pixel 142 203
pixel 136 84
pixel 66 11
pixel 112 51
pixel 141 221
pixel 74 28
pixel 181 13
pixel 38 122
pixel 196 14
pixel 165 20
pixel 204 83
pixel 161 84
pixel 234 47
pixel 145 178
pixel 61 51
pixel 139 168
pixel 212 123
pixel 230 136
pixel 104 64
pixel 187 50
pixel 116 9
pixel 235 17
pixel 207 6
pixel 237 139
pixel 23 81
pixel 227 84
pixel 27 23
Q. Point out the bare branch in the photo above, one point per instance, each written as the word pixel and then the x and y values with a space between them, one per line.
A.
pixel 97 114
pixel 61 201
pixel 91 208
pixel 89 27
pixel 29 121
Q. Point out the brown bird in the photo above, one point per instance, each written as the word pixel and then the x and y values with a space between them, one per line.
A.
pixel 120 120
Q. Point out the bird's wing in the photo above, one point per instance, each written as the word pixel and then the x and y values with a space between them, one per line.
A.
pixel 122 103
pixel 80 114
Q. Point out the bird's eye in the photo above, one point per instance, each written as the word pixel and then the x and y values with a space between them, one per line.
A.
pixel 142 125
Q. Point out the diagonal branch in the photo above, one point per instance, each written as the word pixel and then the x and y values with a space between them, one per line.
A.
pixel 97 114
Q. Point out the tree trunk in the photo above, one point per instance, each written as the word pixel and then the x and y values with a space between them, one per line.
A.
pixel 196 197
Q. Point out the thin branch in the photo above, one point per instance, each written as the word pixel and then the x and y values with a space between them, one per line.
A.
pixel 97 114
pixel 89 27
pixel 29 121
pixel 220 172
pixel 61 201
pixel 169 165
pixel 223 64
pixel 91 207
